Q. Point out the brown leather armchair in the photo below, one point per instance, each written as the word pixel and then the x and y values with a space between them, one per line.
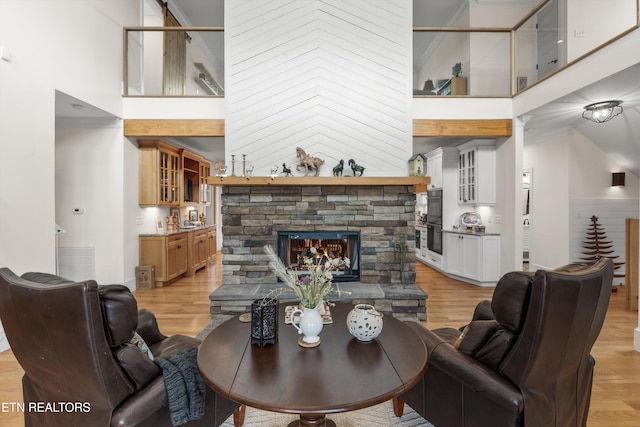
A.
pixel 524 360
pixel 73 341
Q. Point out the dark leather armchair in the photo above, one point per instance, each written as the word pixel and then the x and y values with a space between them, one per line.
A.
pixel 73 341
pixel 524 360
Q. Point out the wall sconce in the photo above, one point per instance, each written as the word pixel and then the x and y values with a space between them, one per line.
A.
pixel 617 179
pixel 601 112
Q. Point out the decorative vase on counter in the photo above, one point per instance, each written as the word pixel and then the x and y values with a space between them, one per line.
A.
pixel 264 322
pixel 364 322
pixel 310 324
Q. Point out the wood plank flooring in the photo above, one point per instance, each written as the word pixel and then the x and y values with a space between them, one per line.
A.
pixel 183 307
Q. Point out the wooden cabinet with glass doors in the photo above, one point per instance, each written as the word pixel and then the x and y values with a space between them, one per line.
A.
pixel 195 169
pixel 160 174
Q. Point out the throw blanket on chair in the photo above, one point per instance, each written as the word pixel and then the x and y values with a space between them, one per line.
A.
pixel 186 389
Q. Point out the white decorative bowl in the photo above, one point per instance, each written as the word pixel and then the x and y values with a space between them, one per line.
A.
pixel 364 322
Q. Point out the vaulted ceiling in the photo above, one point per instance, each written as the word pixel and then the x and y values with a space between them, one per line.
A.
pixel 620 137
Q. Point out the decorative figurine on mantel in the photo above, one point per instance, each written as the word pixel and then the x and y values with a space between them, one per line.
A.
pixel 416 165
pixel 308 162
pixel 285 170
pixel 356 168
pixel 248 171
pixel 220 169
pixel 274 172
pixel 337 170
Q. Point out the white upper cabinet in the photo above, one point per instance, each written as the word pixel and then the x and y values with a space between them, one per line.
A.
pixel 477 172
pixel 440 164
pixel 434 168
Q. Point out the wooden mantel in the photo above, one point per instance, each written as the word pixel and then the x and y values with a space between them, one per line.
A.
pixel 239 181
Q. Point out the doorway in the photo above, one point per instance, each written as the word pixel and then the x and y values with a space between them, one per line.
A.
pixel 548 38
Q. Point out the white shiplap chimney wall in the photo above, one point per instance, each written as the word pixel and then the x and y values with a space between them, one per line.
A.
pixel 330 76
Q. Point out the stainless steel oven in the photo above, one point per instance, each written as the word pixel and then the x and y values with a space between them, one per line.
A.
pixel 434 238
pixel 434 221
pixel 434 207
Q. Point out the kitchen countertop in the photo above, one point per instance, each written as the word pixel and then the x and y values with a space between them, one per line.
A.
pixel 180 230
pixel 473 233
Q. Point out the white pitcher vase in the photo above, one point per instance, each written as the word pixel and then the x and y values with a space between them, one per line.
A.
pixel 310 324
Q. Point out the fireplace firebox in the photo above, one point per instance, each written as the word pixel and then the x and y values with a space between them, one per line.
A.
pixel 295 246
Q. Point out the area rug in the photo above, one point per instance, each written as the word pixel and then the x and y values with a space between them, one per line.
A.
pixel 377 416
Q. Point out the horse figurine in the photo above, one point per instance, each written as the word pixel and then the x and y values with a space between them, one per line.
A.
pixel 356 168
pixel 274 172
pixel 285 170
pixel 337 170
pixel 308 162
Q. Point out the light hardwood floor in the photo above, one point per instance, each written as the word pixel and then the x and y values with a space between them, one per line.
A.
pixel 183 308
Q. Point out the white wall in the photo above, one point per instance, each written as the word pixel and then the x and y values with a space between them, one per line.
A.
pixel 590 172
pixel 76 49
pixel 549 201
pixel 591 23
pixel 332 77
pixel 567 167
pixel 490 65
pixel 90 176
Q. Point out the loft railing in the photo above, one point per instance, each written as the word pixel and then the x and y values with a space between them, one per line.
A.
pixel 174 61
pixel 495 62
pixel 559 33
pixel 462 61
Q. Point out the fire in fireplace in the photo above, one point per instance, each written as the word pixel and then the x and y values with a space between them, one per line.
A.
pixel 294 246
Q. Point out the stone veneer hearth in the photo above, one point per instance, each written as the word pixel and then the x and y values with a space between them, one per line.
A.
pixel 384 215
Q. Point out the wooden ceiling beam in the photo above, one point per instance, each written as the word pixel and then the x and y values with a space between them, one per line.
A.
pixel 173 128
pixel 424 128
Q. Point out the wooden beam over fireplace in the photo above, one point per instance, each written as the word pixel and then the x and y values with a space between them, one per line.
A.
pixel 306 181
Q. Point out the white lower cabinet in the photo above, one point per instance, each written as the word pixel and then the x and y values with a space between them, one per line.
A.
pixel 472 256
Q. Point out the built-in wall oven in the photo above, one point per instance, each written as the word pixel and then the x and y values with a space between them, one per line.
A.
pixel 434 220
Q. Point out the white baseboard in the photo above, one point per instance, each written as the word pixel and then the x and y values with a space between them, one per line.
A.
pixel 131 284
pixel 636 339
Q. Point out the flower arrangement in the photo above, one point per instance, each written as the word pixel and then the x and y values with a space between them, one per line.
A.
pixel 457 70
pixel 313 288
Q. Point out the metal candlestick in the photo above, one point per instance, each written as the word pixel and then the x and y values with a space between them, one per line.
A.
pixel 233 165
pixel 244 164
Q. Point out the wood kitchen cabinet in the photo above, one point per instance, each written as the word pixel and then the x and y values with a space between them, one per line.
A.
pixel 475 257
pixel 198 252
pixel 205 171
pixel 160 174
pixel 212 246
pixel 195 170
pixel 169 254
pixel 477 173
pixel 171 176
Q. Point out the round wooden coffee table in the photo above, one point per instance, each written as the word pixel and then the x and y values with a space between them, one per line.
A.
pixel 339 375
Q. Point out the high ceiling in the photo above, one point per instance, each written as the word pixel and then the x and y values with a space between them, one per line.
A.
pixel 620 137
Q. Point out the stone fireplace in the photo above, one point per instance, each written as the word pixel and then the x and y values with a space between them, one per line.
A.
pixel 296 248
pixel 370 220
pixel 383 216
